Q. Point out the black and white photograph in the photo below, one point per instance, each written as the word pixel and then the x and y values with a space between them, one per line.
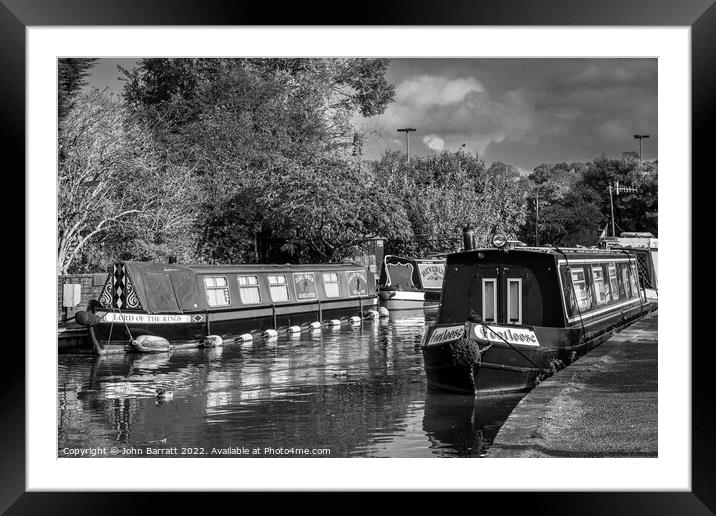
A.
pixel 298 258
pixel 357 257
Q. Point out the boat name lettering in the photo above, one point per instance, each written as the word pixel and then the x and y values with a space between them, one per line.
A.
pixel 441 335
pixel 434 271
pixel 432 275
pixel 146 318
pixel 512 335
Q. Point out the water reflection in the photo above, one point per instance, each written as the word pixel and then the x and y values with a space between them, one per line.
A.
pixel 356 390
pixel 465 425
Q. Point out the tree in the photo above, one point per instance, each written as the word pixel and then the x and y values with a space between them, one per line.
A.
pixel 326 211
pixel 574 199
pixel 241 123
pixel 442 193
pixel 499 168
pixel 71 77
pixel 114 186
pixel 575 219
pixel 633 211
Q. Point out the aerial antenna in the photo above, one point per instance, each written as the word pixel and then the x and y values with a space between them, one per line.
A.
pixel 617 189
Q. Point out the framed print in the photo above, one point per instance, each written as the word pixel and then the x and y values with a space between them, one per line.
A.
pixel 233 377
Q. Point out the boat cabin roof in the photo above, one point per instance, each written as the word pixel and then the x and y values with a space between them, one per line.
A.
pixel 203 268
pixel 575 253
pixel 175 288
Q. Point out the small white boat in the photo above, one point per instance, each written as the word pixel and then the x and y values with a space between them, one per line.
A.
pixel 410 283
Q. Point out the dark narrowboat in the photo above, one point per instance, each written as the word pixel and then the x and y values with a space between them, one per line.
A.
pixel 410 283
pixel 185 304
pixel 511 316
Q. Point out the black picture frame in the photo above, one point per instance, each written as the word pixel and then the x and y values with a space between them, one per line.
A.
pixel 700 15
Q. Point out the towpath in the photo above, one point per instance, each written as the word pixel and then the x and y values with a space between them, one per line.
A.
pixel 602 405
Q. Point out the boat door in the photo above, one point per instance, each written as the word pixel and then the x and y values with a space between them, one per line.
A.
pixel 502 298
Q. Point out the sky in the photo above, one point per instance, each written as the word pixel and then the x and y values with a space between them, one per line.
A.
pixel 519 111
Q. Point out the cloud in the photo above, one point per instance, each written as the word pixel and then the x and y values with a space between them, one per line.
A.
pixel 523 111
pixel 458 110
pixel 434 142
pixel 426 90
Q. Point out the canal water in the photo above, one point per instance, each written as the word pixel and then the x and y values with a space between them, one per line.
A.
pixel 349 391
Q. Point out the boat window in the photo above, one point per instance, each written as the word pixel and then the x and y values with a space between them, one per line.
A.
pixel 613 283
pixel 217 291
pixel 624 288
pixel 570 302
pixel 249 290
pixel 278 287
pixel 601 287
pixel 330 284
pixel 514 300
pixel 581 289
pixel 633 280
pixel 489 299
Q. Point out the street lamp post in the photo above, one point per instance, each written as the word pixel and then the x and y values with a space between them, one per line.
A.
pixel 536 219
pixel 640 137
pixel 407 130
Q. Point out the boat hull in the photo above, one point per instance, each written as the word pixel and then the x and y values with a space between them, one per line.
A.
pixel 410 300
pixel 474 366
pixel 114 335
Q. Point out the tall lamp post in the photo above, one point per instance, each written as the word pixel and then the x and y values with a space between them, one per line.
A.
pixel 536 219
pixel 407 130
pixel 640 137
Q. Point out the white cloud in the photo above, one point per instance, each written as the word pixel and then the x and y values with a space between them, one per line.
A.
pixel 427 89
pixel 434 142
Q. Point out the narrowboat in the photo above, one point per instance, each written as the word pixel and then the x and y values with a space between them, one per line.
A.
pixel 145 303
pixel 511 316
pixel 410 283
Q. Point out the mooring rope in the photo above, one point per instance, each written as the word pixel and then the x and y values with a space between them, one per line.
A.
pixel 131 339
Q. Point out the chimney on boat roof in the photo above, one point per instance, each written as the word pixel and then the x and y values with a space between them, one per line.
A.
pixel 468 237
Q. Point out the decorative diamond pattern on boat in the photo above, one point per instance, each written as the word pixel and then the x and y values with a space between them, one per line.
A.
pixel 119 291
pixel 197 318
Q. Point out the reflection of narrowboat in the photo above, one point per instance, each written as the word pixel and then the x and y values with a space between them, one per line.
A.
pixel 407 283
pixel 465 425
pixel 512 316
pixel 184 304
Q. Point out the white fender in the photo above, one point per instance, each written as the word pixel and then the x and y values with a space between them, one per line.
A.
pixel 212 341
pixel 151 344
pixel 270 334
pixel 293 329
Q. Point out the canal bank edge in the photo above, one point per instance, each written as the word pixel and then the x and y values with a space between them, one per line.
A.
pixel 602 405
